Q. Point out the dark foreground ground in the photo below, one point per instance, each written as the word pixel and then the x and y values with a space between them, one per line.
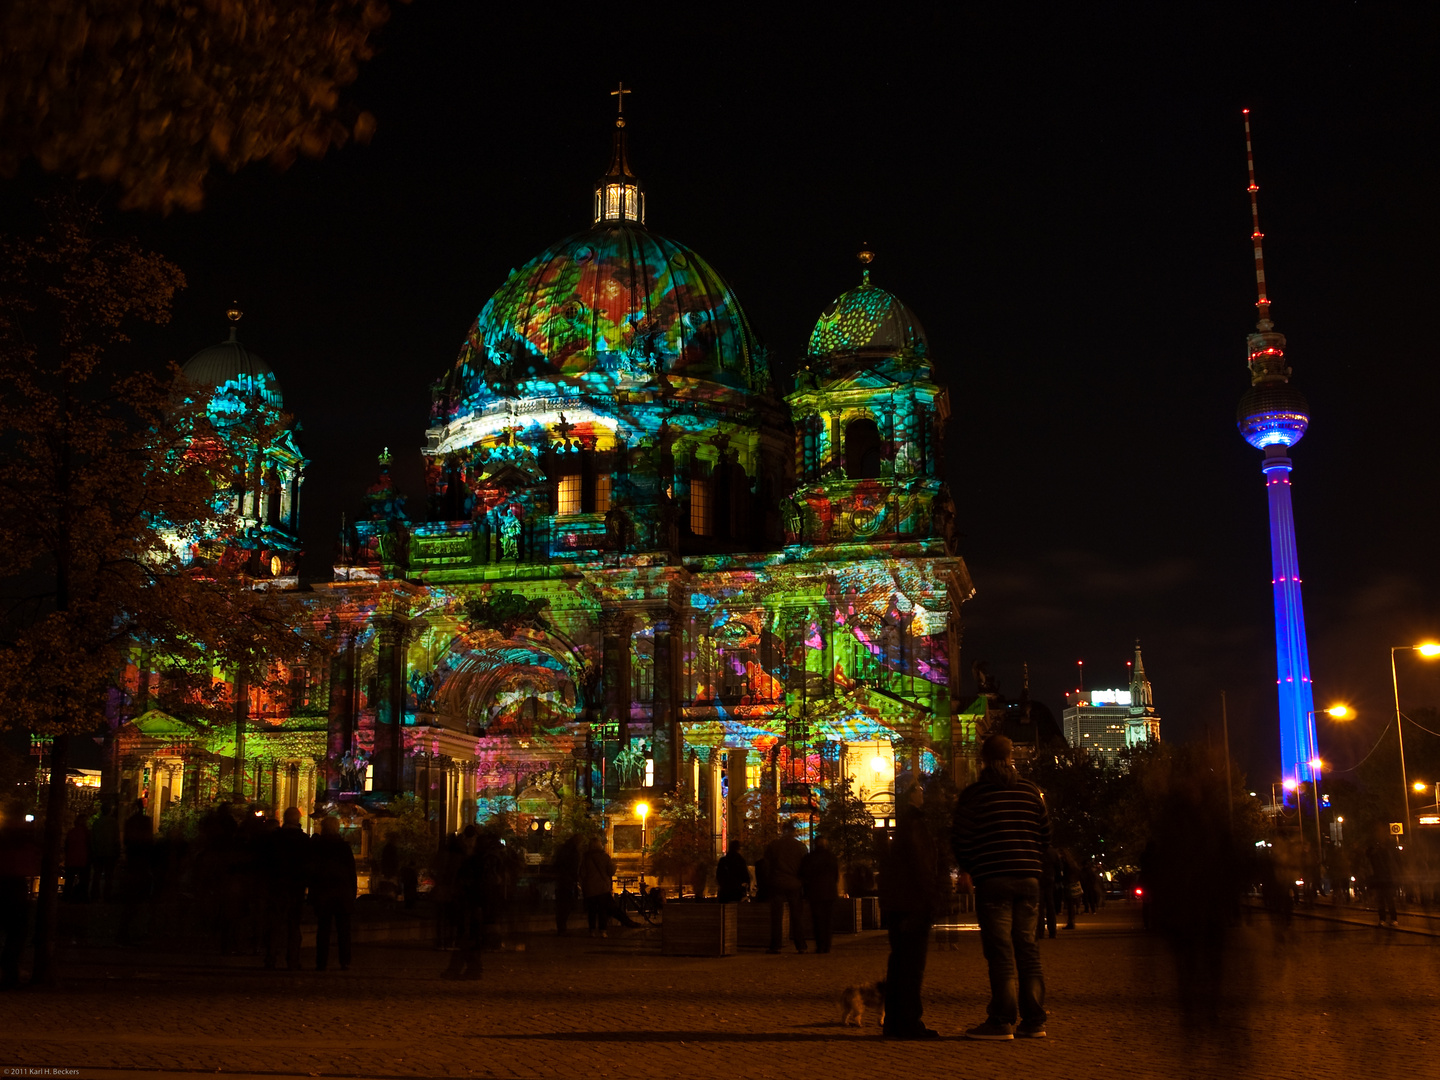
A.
pixel 1320 999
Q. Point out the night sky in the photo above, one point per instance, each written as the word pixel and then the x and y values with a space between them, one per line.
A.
pixel 1060 199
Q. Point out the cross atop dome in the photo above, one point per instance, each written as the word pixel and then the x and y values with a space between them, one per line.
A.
pixel 619 195
pixel 619 96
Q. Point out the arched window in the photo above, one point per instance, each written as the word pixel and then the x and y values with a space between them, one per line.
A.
pixel 862 450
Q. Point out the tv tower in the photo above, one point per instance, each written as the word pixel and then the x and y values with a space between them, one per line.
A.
pixel 1272 417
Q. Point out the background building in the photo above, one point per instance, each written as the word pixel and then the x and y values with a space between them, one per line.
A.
pixel 1105 722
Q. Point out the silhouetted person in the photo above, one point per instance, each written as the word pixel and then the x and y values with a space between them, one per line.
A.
pixel 104 852
pixel 1050 873
pixel 1071 888
pixel 1001 831
pixel 597 872
pixel 783 856
pixel 1384 875
pixel 732 875
pixel 19 862
pixel 332 891
pixel 138 882
pixel 217 839
pixel 287 854
pixel 1339 866
pixel 1090 887
pixel 1192 885
pixel 567 881
pixel 909 896
pixel 466 961
pixel 77 862
pixel 445 870
pixel 820 881
pixel 245 885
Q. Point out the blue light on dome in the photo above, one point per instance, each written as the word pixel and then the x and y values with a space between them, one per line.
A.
pixel 1274 429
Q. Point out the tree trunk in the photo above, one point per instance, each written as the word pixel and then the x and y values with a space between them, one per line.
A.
pixel 47 912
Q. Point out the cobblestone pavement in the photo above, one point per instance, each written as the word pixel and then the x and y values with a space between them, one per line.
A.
pixel 1318 1000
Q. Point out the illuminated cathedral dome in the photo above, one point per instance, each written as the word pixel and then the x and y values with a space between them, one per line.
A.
pixel 614 304
pixel 234 371
pixel 867 319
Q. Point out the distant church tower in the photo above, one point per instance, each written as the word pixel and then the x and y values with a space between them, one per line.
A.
pixel 1272 417
pixel 1143 724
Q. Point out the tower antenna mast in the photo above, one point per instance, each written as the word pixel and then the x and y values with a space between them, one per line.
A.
pixel 1256 235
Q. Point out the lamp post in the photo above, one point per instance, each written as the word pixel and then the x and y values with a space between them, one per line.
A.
pixel 1291 785
pixel 1429 650
pixel 643 809
pixel 1338 712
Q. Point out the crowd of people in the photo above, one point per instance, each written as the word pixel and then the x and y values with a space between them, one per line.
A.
pixel 242 880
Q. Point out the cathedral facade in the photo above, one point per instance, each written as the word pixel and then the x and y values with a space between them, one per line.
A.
pixel 639 568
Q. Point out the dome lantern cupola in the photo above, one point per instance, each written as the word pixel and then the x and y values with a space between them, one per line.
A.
pixel 619 195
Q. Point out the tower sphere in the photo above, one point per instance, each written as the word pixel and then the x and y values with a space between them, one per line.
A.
pixel 1272 414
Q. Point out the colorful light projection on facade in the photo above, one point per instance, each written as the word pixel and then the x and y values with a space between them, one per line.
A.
pixel 1272 417
pixel 245 405
pixel 640 568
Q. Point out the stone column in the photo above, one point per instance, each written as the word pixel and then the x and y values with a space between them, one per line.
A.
pixel 665 705
pixel 615 669
pixel 736 774
pixel 390 707
pixel 716 804
pixel 340 732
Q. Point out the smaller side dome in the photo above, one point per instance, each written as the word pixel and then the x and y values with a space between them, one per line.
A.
pixel 867 319
pixel 236 374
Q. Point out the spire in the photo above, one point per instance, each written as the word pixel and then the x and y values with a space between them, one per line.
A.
pixel 865 257
pixel 619 195
pixel 234 314
pixel 1141 698
pixel 1266 347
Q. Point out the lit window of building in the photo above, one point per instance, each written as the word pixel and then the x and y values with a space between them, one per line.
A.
pixel 602 493
pixel 700 507
pixel 569 495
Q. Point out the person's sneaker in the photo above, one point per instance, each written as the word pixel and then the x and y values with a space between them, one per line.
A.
pixel 1030 1031
pixel 991 1032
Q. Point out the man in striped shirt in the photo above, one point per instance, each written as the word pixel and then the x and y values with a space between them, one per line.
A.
pixel 1001 832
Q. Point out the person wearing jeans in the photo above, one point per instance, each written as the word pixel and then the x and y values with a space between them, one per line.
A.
pixel 1009 909
pixel 1001 831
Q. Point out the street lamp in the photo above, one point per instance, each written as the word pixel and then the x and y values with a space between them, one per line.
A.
pixel 1429 650
pixel 643 809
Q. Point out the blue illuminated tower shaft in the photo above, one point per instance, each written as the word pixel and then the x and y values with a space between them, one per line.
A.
pixel 1292 656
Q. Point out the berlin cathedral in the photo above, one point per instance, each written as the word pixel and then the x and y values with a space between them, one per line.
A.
pixel 639 569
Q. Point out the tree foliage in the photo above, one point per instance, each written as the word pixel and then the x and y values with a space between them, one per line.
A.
pixel 1108 813
pixel 847 824
pixel 683 848
pixel 108 480
pixel 151 94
